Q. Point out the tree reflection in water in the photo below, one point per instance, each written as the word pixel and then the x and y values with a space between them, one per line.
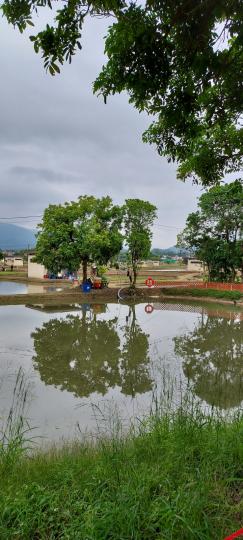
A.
pixel 213 360
pixel 84 355
pixel 135 358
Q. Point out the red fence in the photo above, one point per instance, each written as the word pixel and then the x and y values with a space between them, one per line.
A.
pixel 196 284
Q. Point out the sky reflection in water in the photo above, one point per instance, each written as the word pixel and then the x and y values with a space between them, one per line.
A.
pixel 106 357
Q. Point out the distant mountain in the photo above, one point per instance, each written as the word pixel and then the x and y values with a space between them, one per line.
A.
pixel 13 237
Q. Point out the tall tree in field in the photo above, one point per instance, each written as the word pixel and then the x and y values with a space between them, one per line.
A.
pixel 56 245
pixel 139 217
pixel 78 233
pixel 215 231
pixel 180 61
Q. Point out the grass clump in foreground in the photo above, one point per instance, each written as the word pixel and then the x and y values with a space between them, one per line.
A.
pixel 180 477
pixel 208 293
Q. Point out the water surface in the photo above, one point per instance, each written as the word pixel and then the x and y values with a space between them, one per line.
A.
pixel 82 365
pixel 14 287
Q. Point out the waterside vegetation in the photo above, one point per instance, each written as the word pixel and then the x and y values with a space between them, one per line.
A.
pixel 178 476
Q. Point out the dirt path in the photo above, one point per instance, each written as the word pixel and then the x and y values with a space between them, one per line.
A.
pixel 75 295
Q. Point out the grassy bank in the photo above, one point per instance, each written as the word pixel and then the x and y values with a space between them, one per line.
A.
pixel 180 477
pixel 202 293
pixel 75 295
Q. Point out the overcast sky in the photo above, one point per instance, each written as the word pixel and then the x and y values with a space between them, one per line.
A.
pixel 59 141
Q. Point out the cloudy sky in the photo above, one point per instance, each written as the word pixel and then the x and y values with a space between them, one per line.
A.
pixel 59 141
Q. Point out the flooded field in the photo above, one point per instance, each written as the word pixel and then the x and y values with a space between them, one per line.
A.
pixel 14 287
pixel 79 366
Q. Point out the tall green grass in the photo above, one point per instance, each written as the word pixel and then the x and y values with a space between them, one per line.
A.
pixel 180 476
pixel 15 430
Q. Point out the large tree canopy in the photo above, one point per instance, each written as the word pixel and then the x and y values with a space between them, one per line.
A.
pixel 215 231
pixel 182 62
pixel 79 232
pixel 89 230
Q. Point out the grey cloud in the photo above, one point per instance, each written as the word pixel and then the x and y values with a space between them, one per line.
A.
pixel 34 174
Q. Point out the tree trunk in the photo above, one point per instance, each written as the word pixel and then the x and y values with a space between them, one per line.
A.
pixel 208 270
pixel 134 275
pixel 84 264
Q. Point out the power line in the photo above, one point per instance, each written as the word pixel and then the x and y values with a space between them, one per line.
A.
pixel 7 218
pixel 21 217
pixel 168 226
pixel 20 223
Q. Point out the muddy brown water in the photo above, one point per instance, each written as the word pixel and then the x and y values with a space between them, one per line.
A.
pixel 80 367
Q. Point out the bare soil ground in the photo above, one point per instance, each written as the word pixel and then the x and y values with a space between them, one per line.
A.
pixel 75 295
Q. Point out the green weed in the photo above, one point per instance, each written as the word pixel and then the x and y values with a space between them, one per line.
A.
pixel 15 432
pixel 180 476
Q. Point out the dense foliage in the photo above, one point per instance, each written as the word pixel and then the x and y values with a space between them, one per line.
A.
pixel 90 230
pixel 139 217
pixel 182 62
pixel 175 65
pixel 79 232
pixel 215 231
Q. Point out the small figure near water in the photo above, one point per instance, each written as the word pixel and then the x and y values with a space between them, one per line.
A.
pixel 129 274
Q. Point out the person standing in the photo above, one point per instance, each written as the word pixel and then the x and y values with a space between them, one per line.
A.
pixel 129 274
